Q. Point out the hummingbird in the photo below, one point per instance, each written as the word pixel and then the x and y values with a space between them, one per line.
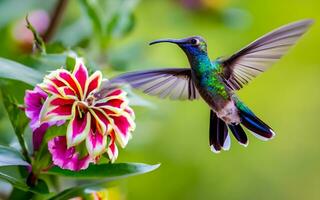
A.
pixel 216 81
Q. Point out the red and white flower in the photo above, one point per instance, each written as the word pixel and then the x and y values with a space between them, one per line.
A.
pixel 93 124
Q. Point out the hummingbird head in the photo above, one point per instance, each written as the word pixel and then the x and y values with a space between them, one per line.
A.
pixel 192 46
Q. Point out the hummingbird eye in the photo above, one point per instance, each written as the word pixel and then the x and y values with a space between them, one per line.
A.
pixel 194 41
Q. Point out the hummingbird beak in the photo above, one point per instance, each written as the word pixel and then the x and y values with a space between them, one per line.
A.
pixel 175 41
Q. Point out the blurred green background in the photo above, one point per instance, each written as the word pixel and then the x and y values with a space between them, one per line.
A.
pixel 176 133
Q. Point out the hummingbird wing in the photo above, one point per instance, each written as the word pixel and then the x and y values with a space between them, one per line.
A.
pixel 259 55
pixel 175 83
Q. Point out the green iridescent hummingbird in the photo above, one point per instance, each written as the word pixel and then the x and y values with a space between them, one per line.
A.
pixel 216 81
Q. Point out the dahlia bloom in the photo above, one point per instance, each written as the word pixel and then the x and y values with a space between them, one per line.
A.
pixel 94 124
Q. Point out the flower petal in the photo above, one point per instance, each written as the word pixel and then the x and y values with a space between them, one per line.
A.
pixel 56 108
pixel 112 148
pixel 78 127
pixel 101 119
pixel 123 126
pixel 37 136
pixel 69 80
pixel 80 73
pixel 114 98
pixel 66 158
pixel 34 101
pixel 93 83
pixel 96 141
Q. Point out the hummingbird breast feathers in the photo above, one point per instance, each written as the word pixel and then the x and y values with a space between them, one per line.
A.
pixel 229 113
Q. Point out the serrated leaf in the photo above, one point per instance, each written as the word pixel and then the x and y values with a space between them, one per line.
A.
pixel 16 71
pixel 10 156
pixel 107 171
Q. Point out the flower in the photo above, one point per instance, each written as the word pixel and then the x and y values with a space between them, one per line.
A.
pixel 94 124
pixel 34 100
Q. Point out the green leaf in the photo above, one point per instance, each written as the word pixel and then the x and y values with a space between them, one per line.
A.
pixel 122 21
pixel 70 62
pixel 18 119
pixel 20 194
pixel 10 156
pixel 107 171
pixel 53 60
pixel 92 13
pixel 16 71
pixel 81 190
pixel 55 131
pixel 12 175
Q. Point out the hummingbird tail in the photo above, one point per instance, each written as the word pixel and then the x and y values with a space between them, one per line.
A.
pixel 219 139
pixel 259 129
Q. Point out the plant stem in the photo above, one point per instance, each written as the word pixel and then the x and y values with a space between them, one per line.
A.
pixel 23 148
pixel 55 19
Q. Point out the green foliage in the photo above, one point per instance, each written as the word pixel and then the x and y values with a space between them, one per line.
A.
pixel 110 19
pixel 81 190
pixel 38 41
pixel 16 176
pixel 10 156
pixel 18 119
pixel 16 71
pixel 106 171
pixel 103 172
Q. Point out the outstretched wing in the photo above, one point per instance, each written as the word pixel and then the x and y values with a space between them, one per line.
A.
pixel 175 83
pixel 258 56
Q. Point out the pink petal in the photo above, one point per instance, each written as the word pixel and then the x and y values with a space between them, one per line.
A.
pixel 56 108
pixel 50 88
pixel 66 158
pixel 96 141
pixel 78 127
pixel 101 119
pixel 112 102
pixel 37 136
pixel 71 82
pixel 34 101
pixel 62 102
pixel 94 82
pixel 38 133
pixel 123 126
pixel 130 112
pixel 68 91
pixel 115 92
pixel 81 74
pixel 112 148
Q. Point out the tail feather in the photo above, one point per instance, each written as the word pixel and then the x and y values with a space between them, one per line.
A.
pixel 260 129
pixel 239 134
pixel 218 134
pixel 219 138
